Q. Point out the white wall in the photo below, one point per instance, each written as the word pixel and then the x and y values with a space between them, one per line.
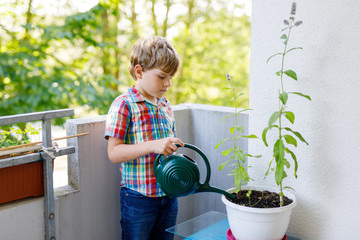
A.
pixel 328 70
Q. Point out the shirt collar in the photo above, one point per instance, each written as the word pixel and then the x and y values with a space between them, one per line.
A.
pixel 135 96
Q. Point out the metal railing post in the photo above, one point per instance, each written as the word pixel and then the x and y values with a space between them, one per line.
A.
pixel 49 206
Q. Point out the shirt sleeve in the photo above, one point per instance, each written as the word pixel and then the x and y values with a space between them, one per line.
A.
pixel 118 120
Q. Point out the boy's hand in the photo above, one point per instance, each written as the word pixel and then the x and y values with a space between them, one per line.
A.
pixel 167 146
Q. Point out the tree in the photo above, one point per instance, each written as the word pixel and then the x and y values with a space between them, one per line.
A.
pixel 212 46
pixel 81 59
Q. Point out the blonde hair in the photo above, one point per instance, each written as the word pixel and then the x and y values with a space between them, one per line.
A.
pixel 154 52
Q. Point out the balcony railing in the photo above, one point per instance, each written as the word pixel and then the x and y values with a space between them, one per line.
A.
pixel 47 155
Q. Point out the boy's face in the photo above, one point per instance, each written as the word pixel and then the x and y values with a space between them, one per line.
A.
pixel 152 84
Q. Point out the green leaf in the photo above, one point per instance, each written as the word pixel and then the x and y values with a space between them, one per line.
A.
pixel 249 136
pixel 238 128
pixel 256 156
pixel 284 36
pixel 267 61
pixel 239 155
pixel 248 194
pixel 227 116
pixel 295 48
pixel 302 95
pixel 232 129
pixel 295 160
pixel 291 74
pixel 279 151
pixel 278 73
pixel 222 142
pixel 287 164
pixel 287 187
pixel 297 134
pixel 290 116
pixel 244 110
pixel 221 166
pixel 283 97
pixel 280 174
pixel 269 167
pixel 265 132
pixel 273 118
pixel 227 152
pixel 264 135
pixel 240 175
pixel 290 140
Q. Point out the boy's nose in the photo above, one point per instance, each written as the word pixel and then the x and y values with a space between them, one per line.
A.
pixel 167 82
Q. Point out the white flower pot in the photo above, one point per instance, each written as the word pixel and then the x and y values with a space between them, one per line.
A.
pixel 248 223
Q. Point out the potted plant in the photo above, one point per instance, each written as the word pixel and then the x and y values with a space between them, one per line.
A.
pixel 25 180
pixel 263 213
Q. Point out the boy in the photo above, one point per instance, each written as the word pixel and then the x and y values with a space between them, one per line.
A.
pixel 139 125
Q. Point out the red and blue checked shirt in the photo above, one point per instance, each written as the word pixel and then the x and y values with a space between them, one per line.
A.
pixel 135 119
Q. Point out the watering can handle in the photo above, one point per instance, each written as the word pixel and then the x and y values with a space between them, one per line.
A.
pixel 196 149
pixel 208 169
pixel 205 186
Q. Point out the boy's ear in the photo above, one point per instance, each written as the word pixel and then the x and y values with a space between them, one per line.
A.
pixel 138 71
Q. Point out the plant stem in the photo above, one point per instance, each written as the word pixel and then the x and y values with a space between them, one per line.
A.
pixel 281 195
pixel 281 105
pixel 262 195
pixel 284 53
pixel 236 123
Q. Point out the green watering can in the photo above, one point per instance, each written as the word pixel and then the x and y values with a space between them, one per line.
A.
pixel 179 175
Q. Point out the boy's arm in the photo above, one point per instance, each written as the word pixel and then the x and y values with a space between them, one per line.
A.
pixel 119 152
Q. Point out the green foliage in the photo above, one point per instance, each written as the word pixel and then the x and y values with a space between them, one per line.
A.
pixel 219 42
pixel 283 143
pixel 18 136
pixel 238 156
pixel 81 59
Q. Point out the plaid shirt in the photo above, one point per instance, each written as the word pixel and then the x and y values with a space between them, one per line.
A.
pixel 135 119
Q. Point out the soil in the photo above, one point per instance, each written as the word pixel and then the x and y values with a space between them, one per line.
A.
pixel 259 199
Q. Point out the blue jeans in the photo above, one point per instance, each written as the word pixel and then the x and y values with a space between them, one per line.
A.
pixel 146 218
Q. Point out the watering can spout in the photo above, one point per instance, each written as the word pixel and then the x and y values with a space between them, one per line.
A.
pixel 179 175
pixel 209 188
pixel 216 190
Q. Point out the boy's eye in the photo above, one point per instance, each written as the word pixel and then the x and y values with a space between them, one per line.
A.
pixel 162 77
